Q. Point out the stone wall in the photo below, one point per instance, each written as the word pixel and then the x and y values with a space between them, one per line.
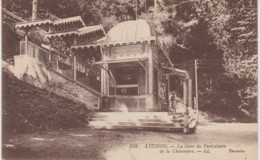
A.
pixel 37 74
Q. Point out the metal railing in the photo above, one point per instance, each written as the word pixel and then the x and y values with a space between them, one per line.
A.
pixel 86 75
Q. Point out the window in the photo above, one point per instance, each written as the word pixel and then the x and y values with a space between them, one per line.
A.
pixel 127 80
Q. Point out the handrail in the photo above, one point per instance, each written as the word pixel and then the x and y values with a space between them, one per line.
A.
pixel 13 15
pixel 164 50
pixel 78 82
pixel 64 55
pixel 180 72
pixel 75 98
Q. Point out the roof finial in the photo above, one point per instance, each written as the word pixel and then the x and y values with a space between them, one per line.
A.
pixel 34 9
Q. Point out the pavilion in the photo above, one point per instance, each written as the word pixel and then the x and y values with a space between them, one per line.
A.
pixel 135 69
pixel 133 66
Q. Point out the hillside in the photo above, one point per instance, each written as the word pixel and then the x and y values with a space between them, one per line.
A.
pixel 27 108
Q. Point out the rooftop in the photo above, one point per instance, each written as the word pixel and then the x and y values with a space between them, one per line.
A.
pixel 129 31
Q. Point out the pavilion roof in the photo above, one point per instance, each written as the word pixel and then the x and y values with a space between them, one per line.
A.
pixel 68 20
pixel 94 44
pixel 104 42
pixel 78 32
pixel 67 27
pixel 30 24
pixel 77 22
pixel 125 33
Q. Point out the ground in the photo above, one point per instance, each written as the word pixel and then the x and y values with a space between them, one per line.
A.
pixel 90 143
pixel 45 132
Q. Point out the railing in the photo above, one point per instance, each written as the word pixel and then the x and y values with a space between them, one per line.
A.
pixel 86 74
pixel 19 19
pixel 163 47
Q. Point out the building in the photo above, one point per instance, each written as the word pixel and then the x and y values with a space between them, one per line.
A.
pixel 132 66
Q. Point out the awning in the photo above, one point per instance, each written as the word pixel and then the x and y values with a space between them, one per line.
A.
pixel 94 44
pixel 102 42
pixel 69 20
pixel 84 31
pixel 121 60
pixel 30 24
pixel 88 29
pixel 39 23
pixel 134 41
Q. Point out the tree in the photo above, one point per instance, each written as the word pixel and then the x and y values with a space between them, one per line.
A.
pixel 232 24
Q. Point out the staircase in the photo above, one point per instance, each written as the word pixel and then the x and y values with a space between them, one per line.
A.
pixel 137 120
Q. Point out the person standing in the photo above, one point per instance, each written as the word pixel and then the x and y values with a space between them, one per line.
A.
pixel 172 105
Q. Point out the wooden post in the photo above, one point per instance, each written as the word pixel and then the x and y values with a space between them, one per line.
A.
pixel 74 67
pixel 102 79
pixel 57 64
pixel 189 93
pixel 50 53
pixel 168 89
pixel 146 79
pixel 196 84
pixel 26 43
pixel 185 93
pixel 106 79
pixel 186 114
pixel 150 72
pixel 50 50
pixel 150 101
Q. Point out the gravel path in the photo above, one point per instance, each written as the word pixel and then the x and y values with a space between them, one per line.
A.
pixel 223 141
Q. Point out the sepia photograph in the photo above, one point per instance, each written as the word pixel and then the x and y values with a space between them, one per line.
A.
pixel 129 80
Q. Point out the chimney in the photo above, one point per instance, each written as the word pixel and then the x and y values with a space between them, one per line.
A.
pixel 34 9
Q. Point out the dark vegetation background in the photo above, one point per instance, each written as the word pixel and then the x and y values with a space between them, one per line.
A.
pixel 223 34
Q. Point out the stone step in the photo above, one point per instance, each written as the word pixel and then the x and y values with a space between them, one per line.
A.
pixel 139 120
pixel 146 115
pixel 111 125
pixel 136 119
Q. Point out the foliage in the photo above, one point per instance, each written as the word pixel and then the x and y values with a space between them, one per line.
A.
pixel 232 24
pixel 10 43
pixel 27 108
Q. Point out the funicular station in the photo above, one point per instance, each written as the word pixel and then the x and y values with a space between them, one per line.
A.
pixel 123 74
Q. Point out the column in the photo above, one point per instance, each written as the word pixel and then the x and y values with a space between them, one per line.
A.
pixel 186 114
pixel 189 93
pixel 50 50
pixel 150 72
pixel 149 104
pixel 104 80
pixel 34 9
pixel 57 64
pixel 74 67
pixel 196 83
pixel 185 93
pixel 26 43
pixel 167 89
